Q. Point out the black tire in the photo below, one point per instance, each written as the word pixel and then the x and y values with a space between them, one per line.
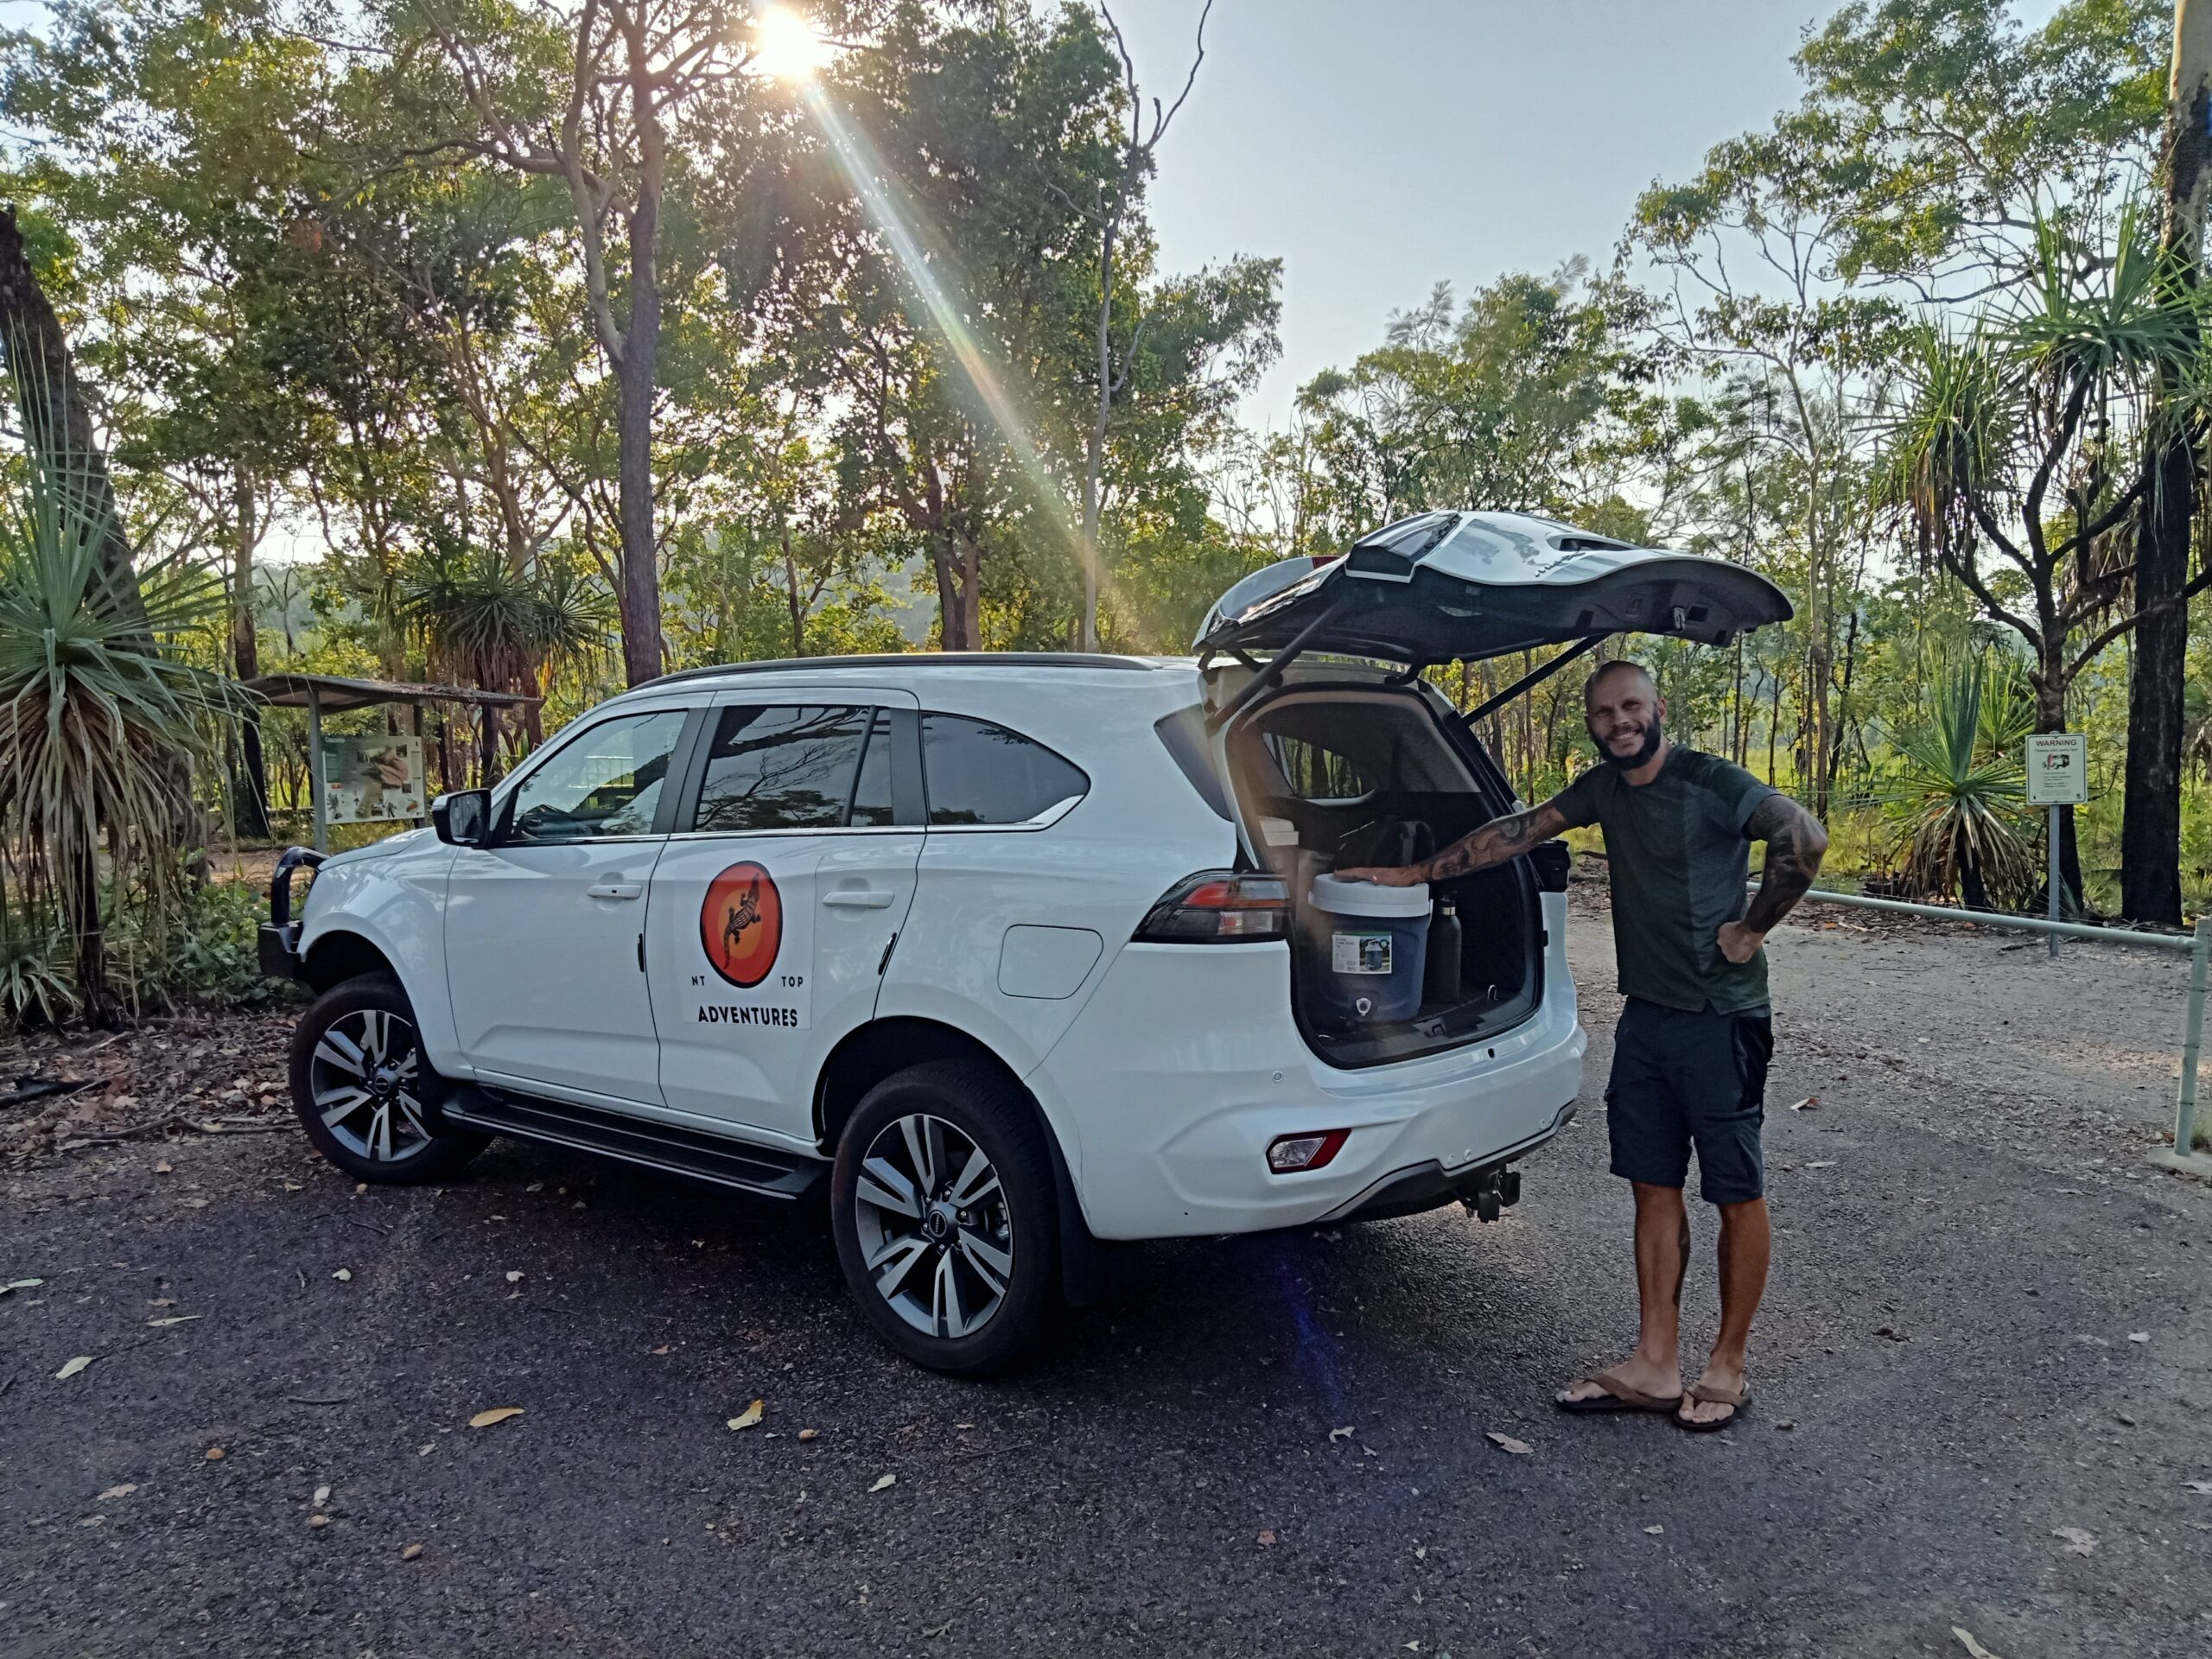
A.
pixel 379 1140
pixel 974 1104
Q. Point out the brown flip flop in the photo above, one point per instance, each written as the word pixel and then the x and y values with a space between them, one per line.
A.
pixel 1739 1399
pixel 1618 1396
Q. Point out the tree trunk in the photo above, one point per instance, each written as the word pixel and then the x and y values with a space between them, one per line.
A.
pixel 950 617
pixel 57 411
pixel 636 368
pixel 790 582
pixel 250 790
pixel 640 563
pixel 1094 458
pixel 1972 889
pixel 2150 846
pixel 2149 831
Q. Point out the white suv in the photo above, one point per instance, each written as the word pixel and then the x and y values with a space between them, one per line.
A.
pixel 1003 951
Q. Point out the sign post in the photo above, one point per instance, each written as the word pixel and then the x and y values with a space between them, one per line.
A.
pixel 2058 776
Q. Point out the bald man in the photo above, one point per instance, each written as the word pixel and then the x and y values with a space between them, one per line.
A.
pixel 1690 1053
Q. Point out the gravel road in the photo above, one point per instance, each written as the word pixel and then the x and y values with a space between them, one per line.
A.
pixel 1981 1379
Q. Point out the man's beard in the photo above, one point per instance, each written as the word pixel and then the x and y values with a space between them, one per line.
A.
pixel 1654 735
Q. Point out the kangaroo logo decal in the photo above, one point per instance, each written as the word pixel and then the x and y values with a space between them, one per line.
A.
pixel 742 924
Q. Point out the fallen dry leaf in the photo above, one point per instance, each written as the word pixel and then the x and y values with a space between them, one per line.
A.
pixel 318 1520
pixel 1507 1443
pixel 1809 1103
pixel 497 1414
pixel 161 1169
pixel 887 1481
pixel 749 1416
pixel 662 1349
pixel 215 1454
pixel 177 1318
pixel 72 1367
pixel 411 1553
pixel 124 1491
pixel 343 1275
pixel 1340 1434
pixel 810 1433
pixel 1265 1537
pixel 1974 1650
pixel 2078 1542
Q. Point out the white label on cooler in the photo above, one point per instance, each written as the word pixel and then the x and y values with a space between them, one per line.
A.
pixel 1360 953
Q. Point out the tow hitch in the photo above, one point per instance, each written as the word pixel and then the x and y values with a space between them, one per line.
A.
pixel 1493 1190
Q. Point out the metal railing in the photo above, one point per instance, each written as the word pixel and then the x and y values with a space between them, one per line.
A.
pixel 2198 944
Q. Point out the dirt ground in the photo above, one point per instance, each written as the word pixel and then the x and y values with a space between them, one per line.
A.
pixel 1982 1376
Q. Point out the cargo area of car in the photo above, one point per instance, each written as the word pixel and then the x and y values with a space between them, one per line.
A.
pixel 1333 775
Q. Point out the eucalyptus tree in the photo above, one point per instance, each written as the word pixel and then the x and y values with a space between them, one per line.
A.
pixel 612 98
pixel 921 286
pixel 1534 396
pixel 1115 195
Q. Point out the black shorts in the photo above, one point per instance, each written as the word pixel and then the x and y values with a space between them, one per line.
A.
pixel 1681 1079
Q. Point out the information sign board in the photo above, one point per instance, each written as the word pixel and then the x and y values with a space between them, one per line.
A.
pixel 372 779
pixel 2058 769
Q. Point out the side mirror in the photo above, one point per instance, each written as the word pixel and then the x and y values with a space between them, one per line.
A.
pixel 464 817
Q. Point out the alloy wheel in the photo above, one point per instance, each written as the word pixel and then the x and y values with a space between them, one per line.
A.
pixel 933 1225
pixel 364 1079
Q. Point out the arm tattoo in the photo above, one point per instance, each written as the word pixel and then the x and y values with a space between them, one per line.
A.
pixel 1496 841
pixel 1795 843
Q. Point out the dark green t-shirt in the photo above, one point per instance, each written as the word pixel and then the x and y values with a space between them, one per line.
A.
pixel 1681 862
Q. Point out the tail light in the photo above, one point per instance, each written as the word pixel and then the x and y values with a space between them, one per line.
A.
pixel 1290 1153
pixel 1219 907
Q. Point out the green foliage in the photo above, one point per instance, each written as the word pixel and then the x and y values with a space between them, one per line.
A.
pixel 34 985
pixel 97 725
pixel 217 948
pixel 1959 802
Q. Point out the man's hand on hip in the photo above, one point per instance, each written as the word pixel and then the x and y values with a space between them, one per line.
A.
pixel 1739 941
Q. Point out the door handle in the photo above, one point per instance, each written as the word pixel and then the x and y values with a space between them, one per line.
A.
pixel 616 890
pixel 859 899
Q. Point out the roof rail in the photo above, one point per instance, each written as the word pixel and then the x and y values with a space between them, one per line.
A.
pixel 914 659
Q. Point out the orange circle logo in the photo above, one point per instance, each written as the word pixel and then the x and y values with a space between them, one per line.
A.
pixel 742 924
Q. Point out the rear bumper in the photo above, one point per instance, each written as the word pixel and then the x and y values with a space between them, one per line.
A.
pixel 1187 1064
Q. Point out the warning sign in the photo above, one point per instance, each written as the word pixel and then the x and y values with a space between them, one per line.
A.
pixel 2058 769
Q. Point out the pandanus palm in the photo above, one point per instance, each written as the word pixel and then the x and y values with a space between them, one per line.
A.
pixel 97 726
pixel 485 623
pixel 1960 795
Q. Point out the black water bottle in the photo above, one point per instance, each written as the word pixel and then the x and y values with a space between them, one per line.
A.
pixel 1440 979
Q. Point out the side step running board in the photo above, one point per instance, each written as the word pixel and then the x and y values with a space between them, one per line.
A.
pixel 759 1170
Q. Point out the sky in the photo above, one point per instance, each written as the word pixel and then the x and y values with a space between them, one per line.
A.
pixel 1383 146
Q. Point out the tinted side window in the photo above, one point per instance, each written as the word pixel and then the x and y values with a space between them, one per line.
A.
pixel 976 772
pixel 1316 773
pixel 605 781
pixel 872 792
pixel 781 766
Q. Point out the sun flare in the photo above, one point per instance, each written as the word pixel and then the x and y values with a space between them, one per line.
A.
pixel 785 46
